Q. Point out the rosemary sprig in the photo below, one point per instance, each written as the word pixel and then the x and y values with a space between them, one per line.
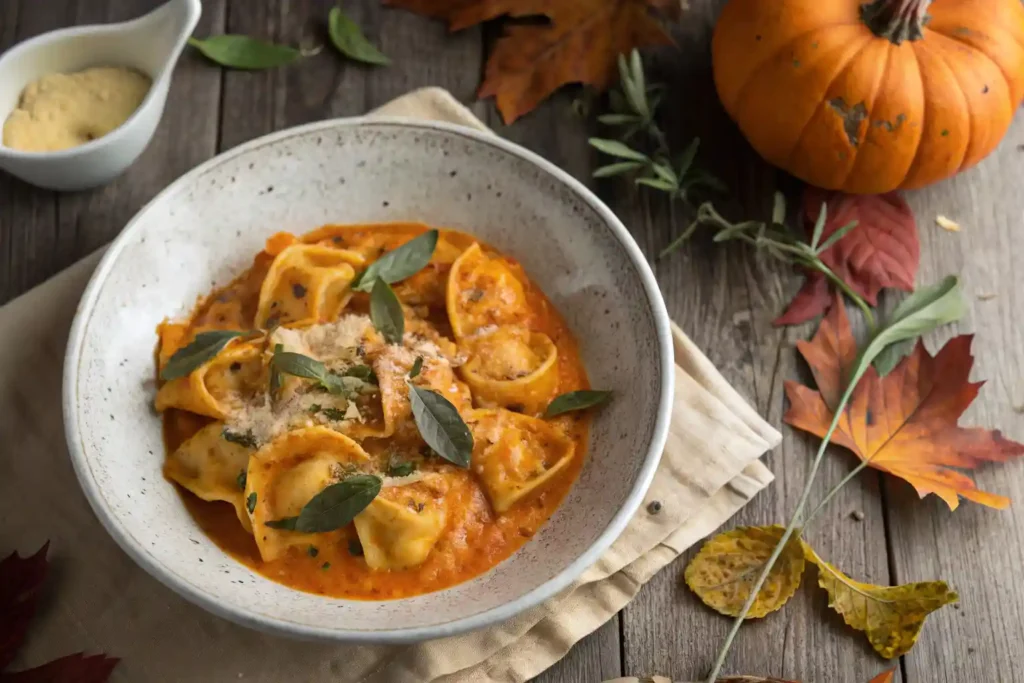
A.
pixel 634 108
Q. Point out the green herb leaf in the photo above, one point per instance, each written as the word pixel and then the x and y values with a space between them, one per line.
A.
pixel 417 366
pixel 617 169
pixel 334 507
pixel 819 226
pixel 334 413
pixel 241 479
pixel 617 149
pixel 401 469
pixel 298 365
pixel 836 236
pixel 920 313
pixel 657 184
pixel 441 426
pixel 246 438
pixel 242 52
pixel 617 119
pixel 386 312
pixel 250 502
pixel 667 174
pixel 687 157
pixel 576 400
pixel 315 408
pixel 398 264
pixel 350 41
pixel 325 566
pixel 363 372
pixel 203 348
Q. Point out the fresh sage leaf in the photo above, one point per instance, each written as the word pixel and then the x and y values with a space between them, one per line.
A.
pixel 204 347
pixel 245 438
pixel 399 263
pixel 334 507
pixel 242 52
pixel 250 502
pixel 617 149
pixel 298 365
pixel 350 41
pixel 241 479
pixel 576 400
pixel 386 312
pixel 363 372
pixel 441 426
pixel 617 169
pixel 417 366
pixel 401 469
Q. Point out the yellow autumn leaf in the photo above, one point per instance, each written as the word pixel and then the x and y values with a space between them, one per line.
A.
pixel 891 616
pixel 726 568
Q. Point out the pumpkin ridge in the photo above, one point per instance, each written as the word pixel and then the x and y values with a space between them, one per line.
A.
pixel 973 48
pixel 879 82
pixel 919 46
pixel 741 91
pixel 939 54
pixel 846 65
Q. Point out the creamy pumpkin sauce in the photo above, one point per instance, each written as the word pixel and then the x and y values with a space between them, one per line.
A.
pixel 475 537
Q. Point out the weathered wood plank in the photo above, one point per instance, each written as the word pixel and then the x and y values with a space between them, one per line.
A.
pixel 978 550
pixel 725 298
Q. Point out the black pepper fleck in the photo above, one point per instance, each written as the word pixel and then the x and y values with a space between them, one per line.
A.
pixel 654 507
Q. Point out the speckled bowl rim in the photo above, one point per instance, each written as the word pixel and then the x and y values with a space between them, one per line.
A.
pixel 553 586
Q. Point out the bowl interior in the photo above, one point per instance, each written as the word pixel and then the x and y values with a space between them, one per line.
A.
pixel 205 229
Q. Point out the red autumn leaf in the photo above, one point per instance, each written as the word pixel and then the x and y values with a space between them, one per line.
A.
pixel 906 422
pixel 579 43
pixel 882 251
pixel 884 677
pixel 21 579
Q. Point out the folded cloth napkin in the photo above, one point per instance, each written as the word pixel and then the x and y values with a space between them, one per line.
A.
pixel 99 601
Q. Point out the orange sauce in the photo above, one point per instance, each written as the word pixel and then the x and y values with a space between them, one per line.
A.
pixel 475 538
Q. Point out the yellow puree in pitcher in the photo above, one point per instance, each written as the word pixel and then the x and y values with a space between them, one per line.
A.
pixel 60 111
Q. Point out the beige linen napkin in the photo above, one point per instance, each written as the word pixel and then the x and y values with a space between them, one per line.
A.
pixel 99 601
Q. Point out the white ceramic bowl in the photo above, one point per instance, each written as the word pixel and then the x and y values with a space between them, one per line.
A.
pixel 205 228
pixel 150 44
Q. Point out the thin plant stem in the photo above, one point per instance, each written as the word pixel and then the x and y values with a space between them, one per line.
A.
pixel 832 492
pixel 869 316
pixel 790 529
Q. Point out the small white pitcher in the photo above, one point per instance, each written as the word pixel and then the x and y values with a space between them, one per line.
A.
pixel 150 44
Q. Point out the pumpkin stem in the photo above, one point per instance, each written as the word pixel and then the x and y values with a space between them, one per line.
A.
pixel 896 20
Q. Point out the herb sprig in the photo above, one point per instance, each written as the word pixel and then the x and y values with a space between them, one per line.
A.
pixel 350 385
pixel 634 110
pixel 334 507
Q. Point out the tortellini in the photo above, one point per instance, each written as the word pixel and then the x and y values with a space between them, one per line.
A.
pixel 403 523
pixel 515 455
pixel 221 386
pixel 307 283
pixel 287 473
pixel 211 467
pixel 512 368
pixel 483 292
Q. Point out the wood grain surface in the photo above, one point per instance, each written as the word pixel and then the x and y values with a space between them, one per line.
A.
pixel 724 297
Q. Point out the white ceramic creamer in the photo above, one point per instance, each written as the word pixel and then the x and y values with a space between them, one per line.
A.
pixel 150 44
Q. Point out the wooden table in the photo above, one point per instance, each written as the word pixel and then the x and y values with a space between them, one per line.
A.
pixel 725 298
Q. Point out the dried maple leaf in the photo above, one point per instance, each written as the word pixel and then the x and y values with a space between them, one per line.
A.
pixel 882 251
pixel 906 422
pixel 579 44
pixel 890 616
pixel 727 566
pixel 20 581
pixel 884 677
pixel 752 679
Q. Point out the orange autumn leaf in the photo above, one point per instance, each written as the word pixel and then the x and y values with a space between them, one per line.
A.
pixel 579 43
pixel 906 422
pixel 884 677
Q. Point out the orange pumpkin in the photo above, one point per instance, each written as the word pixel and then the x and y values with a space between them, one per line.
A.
pixel 871 97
